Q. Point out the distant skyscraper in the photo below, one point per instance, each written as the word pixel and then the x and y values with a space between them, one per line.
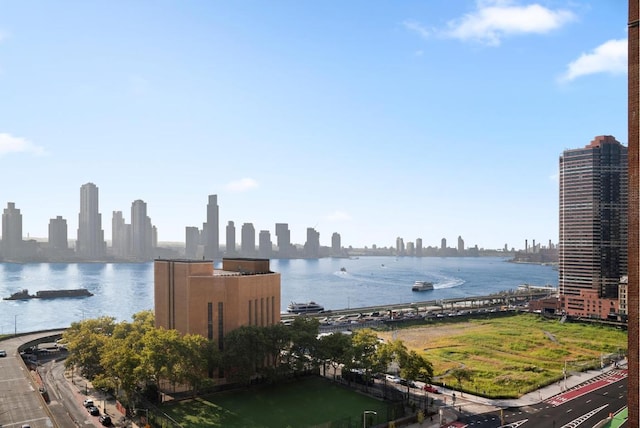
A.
pixel 283 236
pixel 58 236
pixel 399 246
pixel 211 229
pixel 90 243
pixel 120 236
pixel 264 244
pixel 460 244
pixel 336 245
pixel 593 227
pixel 231 238
pixel 443 244
pixel 11 231
pixel 248 242
pixel 312 246
pixel 192 240
pixel 419 247
pixel 141 231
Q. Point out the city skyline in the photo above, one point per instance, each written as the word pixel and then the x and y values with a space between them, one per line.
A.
pixel 139 236
pixel 421 120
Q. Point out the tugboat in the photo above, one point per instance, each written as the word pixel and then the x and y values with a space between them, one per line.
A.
pixel 20 295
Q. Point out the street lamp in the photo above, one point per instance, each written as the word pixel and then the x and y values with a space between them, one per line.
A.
pixel 364 417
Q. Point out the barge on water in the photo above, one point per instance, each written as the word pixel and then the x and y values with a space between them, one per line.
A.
pixel 50 294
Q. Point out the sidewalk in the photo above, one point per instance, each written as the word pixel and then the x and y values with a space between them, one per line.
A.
pixel 83 389
pixel 471 404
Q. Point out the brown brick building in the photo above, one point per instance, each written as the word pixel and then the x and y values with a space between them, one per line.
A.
pixel 194 298
pixel 633 300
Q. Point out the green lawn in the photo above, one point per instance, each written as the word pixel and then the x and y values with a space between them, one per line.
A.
pixel 303 403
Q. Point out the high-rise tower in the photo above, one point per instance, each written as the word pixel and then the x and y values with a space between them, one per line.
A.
pixel 593 227
pixel 90 243
pixel 141 231
pixel 211 229
pixel 11 231
pixel 58 239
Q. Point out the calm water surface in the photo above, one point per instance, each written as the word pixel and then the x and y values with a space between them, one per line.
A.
pixel 122 289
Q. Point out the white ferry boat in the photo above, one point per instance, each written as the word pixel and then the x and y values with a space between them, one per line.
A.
pixel 422 286
pixel 301 308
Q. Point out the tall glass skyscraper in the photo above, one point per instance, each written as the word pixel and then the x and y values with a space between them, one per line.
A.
pixel 90 243
pixel 593 227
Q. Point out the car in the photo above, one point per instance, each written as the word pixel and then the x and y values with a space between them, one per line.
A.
pixel 105 420
pixel 431 389
pixel 393 379
pixel 3 353
pixel 408 383
pixel 93 411
pixel 26 426
pixel 88 402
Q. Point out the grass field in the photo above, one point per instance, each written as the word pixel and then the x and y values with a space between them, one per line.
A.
pixel 510 356
pixel 307 402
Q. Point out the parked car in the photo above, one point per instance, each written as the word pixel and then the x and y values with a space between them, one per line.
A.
pixel 406 382
pixel 3 353
pixel 93 411
pixel 393 379
pixel 105 420
pixel 88 402
pixel 431 389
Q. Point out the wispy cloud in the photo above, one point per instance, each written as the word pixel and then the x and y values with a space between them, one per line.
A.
pixel 610 57
pixel 338 216
pixel 11 144
pixel 494 20
pixel 242 185
pixel 417 28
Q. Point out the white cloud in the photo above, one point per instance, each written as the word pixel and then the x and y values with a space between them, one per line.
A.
pixel 11 144
pixel 417 28
pixel 609 57
pixel 242 185
pixel 493 20
pixel 338 216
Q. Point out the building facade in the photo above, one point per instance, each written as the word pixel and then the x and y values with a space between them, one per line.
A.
pixel 283 240
pixel 12 244
pixel 633 287
pixel 593 228
pixel 248 240
pixel 194 298
pixel 211 229
pixel 58 234
pixel 230 248
pixel 90 243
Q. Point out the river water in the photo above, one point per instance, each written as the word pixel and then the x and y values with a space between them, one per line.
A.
pixel 122 289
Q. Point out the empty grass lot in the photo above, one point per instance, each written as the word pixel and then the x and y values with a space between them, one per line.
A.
pixel 307 402
pixel 512 355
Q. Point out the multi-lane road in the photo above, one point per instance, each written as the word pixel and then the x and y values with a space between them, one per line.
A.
pixel 585 405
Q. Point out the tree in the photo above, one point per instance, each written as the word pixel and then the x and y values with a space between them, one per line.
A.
pixel 461 374
pixel 336 349
pixel 304 341
pixel 414 366
pixel 195 353
pixel 86 342
pixel 244 352
pixel 365 353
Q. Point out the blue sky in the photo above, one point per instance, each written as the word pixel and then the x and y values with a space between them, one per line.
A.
pixel 416 119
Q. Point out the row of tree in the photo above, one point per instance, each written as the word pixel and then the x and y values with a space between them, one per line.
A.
pixel 128 356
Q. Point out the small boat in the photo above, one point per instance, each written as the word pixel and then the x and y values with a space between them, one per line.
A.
pixel 343 269
pixel 422 286
pixel 302 308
